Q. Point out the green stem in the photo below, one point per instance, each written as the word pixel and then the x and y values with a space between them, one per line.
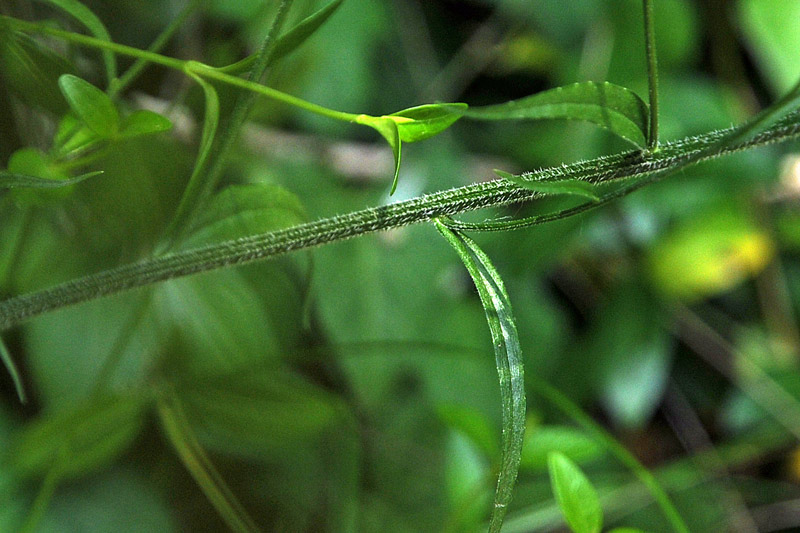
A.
pixel 178 64
pixel 424 208
pixel 566 406
pixel 652 73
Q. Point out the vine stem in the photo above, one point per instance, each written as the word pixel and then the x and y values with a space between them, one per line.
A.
pixel 652 73
pixel 631 164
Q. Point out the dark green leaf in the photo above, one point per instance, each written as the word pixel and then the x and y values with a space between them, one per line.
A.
pixel 10 180
pixel 569 186
pixel 427 120
pixel 84 438
pixel 83 14
pixel 91 105
pixel 575 495
pixel 31 71
pixel 144 122
pixel 508 358
pixel 613 107
pixel 8 362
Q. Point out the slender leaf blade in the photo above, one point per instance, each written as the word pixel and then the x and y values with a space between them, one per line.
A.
pixel 12 180
pixel 576 496
pixel 610 106
pixel 569 186
pixel 95 26
pixel 508 357
pixel 91 105
pixel 425 121
pixel 11 367
pixel 389 130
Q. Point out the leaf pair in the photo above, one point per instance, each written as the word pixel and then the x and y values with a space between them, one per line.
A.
pixel 508 357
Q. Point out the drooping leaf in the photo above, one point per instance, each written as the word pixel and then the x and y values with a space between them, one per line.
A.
pixel 8 362
pixel 508 358
pixel 568 186
pixel 91 105
pixel 181 436
pixel 426 120
pixel 95 26
pixel 144 122
pixel 289 41
pixel 10 180
pixel 610 106
pixel 390 131
pixel 576 496
pixel 86 437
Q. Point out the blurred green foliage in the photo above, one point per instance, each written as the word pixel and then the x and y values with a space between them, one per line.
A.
pixel 353 387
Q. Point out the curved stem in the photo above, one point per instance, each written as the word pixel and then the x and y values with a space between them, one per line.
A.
pixel 370 220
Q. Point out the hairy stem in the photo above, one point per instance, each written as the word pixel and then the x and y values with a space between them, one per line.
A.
pixel 652 73
pixel 421 209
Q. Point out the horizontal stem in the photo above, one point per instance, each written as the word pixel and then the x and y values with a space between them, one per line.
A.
pixel 421 209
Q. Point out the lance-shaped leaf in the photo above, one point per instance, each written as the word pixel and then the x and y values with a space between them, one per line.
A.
pixel 95 26
pixel 11 180
pixel 289 41
pixel 610 106
pixel 425 121
pixel 144 122
pixel 575 495
pixel 91 105
pixel 569 186
pixel 508 358
pixel 8 362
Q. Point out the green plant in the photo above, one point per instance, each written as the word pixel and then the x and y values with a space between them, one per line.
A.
pixel 234 365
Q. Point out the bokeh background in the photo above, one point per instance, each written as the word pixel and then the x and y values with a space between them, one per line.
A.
pixel 353 387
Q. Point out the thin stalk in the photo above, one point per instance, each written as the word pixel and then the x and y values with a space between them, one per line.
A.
pixel 634 164
pixel 652 73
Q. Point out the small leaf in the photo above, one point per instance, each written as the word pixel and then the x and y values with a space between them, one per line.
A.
pixel 289 41
pixel 575 495
pixel 144 122
pixel 569 186
pixel 88 436
pixel 427 120
pixel 10 180
pixel 91 105
pixel 8 362
pixel 610 106
pixel 390 131
pixel 95 26
pixel 508 358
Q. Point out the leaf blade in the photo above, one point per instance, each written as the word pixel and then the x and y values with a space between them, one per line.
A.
pixel 90 104
pixel 12 180
pixel 427 120
pixel 607 105
pixel 576 497
pixel 508 357
pixel 568 186
pixel 11 367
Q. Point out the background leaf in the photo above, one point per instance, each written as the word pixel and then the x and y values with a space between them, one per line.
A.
pixel 575 495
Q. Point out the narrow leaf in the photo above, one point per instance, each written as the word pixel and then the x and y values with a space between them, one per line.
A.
pixel 144 122
pixel 91 105
pixel 575 495
pixel 390 131
pixel 194 458
pixel 10 180
pixel 289 41
pixel 610 106
pixel 427 120
pixel 95 26
pixel 568 186
pixel 8 362
pixel 508 358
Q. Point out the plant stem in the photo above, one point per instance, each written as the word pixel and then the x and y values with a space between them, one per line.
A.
pixel 421 209
pixel 652 73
